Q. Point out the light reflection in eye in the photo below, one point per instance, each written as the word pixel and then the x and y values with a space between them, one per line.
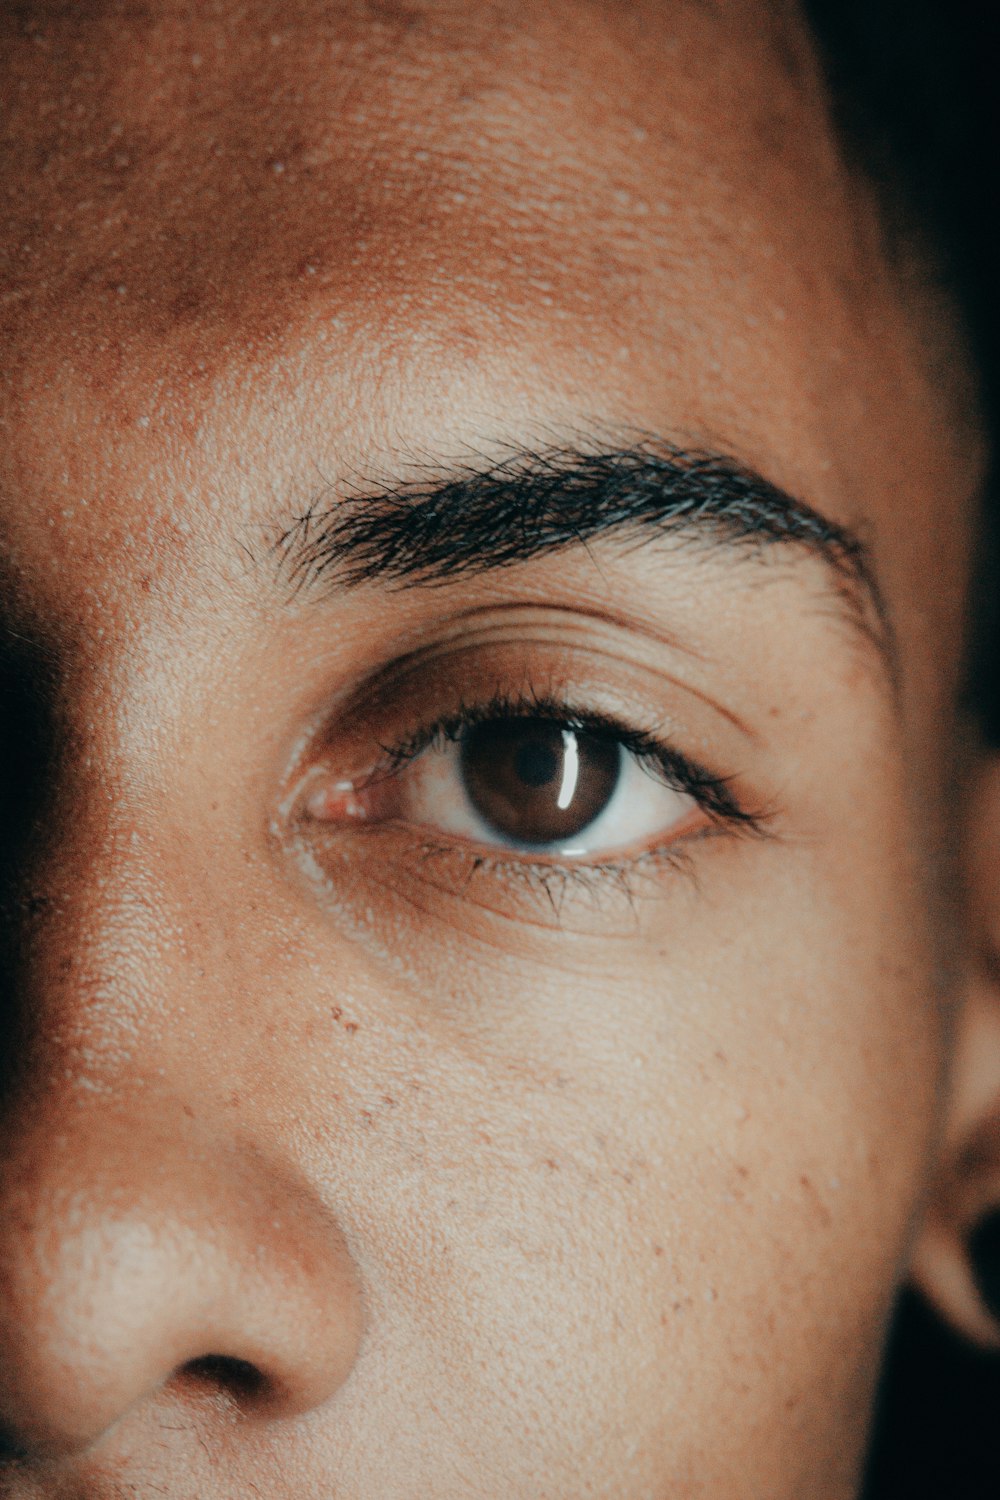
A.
pixel 571 770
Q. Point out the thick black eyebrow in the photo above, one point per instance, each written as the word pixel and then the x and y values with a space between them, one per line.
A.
pixel 429 530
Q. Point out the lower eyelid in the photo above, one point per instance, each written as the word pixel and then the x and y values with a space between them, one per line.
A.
pixel 409 874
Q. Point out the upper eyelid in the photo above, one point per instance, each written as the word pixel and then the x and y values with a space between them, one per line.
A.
pixel 452 725
pixel 587 629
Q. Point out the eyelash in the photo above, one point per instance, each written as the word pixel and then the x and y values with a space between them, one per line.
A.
pixel 711 792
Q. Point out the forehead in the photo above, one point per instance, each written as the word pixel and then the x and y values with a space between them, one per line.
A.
pixel 195 183
pixel 344 231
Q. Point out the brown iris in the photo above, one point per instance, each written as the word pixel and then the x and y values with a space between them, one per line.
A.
pixel 536 781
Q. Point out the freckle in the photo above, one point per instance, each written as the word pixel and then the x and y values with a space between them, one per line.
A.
pixel 189 1111
pixel 553 1166
pixel 657 1250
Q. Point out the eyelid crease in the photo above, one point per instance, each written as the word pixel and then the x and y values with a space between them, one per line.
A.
pixel 456 629
pixel 434 527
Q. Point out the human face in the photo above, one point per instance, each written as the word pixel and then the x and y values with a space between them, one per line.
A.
pixel 366 1133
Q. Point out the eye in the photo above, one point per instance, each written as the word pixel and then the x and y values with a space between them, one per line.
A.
pixel 539 785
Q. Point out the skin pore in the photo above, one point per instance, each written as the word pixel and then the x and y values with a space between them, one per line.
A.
pixel 347 1150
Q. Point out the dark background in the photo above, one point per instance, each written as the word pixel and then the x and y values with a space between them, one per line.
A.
pixel 916 85
pixel 938 1432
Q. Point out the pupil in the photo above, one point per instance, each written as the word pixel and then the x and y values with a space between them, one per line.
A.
pixel 536 781
pixel 536 764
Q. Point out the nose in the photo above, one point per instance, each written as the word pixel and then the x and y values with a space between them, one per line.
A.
pixel 156 1245
pixel 160 1264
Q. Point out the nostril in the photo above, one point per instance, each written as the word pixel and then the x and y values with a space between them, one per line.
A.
pixel 238 1379
pixel 10 1451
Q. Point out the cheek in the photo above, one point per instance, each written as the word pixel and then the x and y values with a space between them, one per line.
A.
pixel 645 1201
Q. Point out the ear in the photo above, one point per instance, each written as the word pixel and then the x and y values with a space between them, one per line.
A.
pixel 957 1257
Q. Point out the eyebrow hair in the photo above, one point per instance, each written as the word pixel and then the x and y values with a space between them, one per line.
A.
pixel 430 529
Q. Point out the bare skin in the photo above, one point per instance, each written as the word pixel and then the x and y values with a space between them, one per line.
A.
pixel 332 1169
